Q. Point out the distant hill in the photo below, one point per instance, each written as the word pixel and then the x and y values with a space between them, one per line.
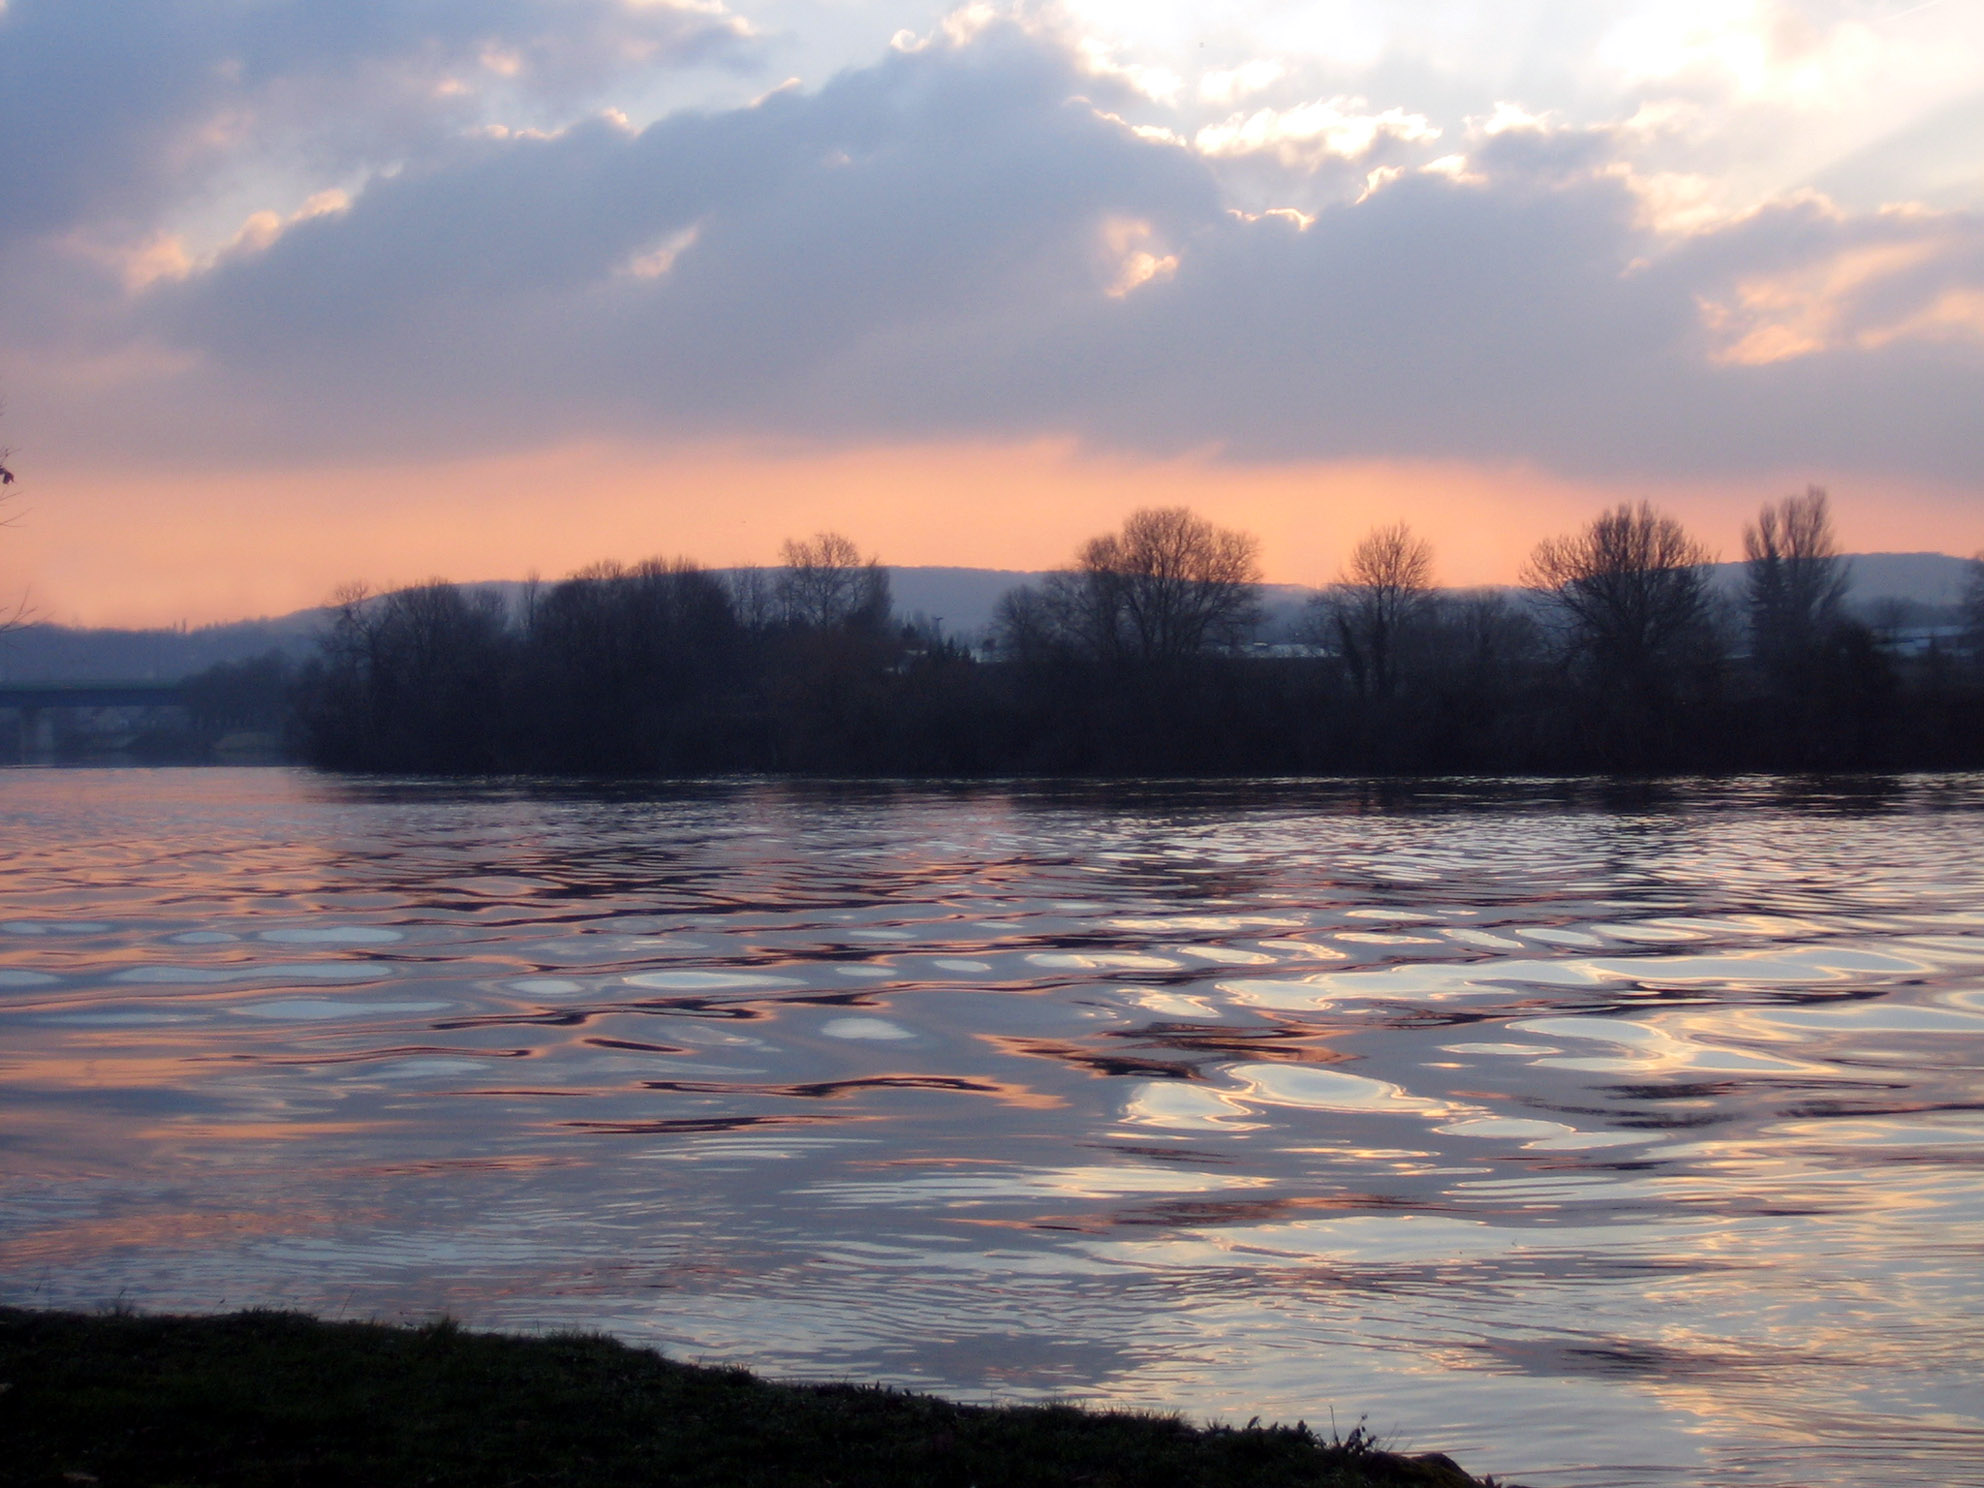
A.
pixel 964 599
pixel 961 599
pixel 1919 578
pixel 61 653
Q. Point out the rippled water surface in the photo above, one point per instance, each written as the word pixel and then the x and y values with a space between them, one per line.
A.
pixel 1599 1139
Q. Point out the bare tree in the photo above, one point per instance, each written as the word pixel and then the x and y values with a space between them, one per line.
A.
pixel 1483 635
pixel 1026 624
pixel 753 598
pixel 1168 586
pixel 412 678
pixel 353 628
pixel 1382 591
pixel 1632 589
pixel 828 585
pixel 1795 578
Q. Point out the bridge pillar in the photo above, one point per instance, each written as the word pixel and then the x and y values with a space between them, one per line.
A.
pixel 37 734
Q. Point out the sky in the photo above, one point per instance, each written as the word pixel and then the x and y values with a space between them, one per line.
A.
pixel 295 293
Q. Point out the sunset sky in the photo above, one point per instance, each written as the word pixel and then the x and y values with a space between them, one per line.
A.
pixel 294 292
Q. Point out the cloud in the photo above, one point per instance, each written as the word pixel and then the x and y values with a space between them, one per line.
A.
pixel 1873 104
pixel 1229 85
pixel 112 110
pixel 1309 133
pixel 1802 280
pixel 1757 49
pixel 967 239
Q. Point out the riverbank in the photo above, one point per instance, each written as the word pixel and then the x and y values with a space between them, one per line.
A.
pixel 254 1398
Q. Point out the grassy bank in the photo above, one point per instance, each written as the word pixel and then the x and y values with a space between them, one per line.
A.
pixel 279 1398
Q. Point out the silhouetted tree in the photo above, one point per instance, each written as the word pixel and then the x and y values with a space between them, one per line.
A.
pixel 1125 662
pixel 1116 659
pixel 1482 685
pixel 1632 588
pixel 1026 626
pixel 1179 586
pixel 1796 581
pixel 1828 688
pixel 829 680
pixel 411 680
pixel 1168 587
pixel 753 598
pixel 622 660
pixel 1382 591
pixel 1631 594
pixel 826 585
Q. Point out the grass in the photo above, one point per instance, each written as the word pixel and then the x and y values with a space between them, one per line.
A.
pixel 268 1398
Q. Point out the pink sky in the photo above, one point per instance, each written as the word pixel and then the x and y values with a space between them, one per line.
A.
pixel 123 547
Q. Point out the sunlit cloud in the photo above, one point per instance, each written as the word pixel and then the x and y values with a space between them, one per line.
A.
pixel 263 228
pixel 1954 315
pixel 654 262
pixel 1301 221
pixel 1760 50
pixel 168 256
pixel 1859 297
pixel 1343 128
pixel 162 256
pixel 1452 167
pixel 1679 201
pixel 1156 133
pixel 1232 84
pixel 1507 117
pixel 1159 84
pixel 967 22
pixel 1128 245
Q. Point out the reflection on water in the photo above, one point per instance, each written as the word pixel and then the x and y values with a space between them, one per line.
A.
pixel 1597 1136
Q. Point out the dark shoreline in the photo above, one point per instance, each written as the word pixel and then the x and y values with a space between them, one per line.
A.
pixel 266 1398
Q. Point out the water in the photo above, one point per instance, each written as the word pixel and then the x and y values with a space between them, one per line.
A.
pixel 1597 1138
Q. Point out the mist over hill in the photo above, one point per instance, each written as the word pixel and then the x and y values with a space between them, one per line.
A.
pixel 63 653
pixel 961 600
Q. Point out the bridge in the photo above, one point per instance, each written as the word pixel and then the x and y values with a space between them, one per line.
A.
pixel 33 702
pixel 37 695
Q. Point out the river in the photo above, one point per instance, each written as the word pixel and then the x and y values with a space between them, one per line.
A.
pixel 1599 1135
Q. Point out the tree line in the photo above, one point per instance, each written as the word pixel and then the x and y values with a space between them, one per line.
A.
pixel 1143 655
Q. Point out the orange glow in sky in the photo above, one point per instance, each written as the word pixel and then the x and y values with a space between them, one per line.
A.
pixel 121 547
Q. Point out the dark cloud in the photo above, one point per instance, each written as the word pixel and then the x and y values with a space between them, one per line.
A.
pixel 110 109
pixel 928 247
